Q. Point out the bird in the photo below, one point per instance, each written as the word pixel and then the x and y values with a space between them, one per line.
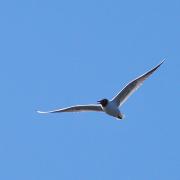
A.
pixel 110 107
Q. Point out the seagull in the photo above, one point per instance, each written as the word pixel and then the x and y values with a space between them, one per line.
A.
pixel 110 107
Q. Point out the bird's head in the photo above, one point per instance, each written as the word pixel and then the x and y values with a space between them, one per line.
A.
pixel 103 102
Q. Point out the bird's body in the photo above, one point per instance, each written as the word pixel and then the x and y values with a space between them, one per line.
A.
pixel 110 107
pixel 112 110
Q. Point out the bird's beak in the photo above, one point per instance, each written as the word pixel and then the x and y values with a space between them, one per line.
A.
pixel 99 102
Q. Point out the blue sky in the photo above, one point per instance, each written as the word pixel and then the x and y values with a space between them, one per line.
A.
pixel 58 53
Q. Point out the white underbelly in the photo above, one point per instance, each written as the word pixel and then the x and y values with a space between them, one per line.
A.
pixel 111 110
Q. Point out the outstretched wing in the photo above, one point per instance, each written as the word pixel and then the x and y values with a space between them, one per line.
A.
pixel 130 88
pixel 77 108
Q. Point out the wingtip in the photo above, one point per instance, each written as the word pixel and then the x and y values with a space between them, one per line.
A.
pixel 160 63
pixel 42 112
pixel 163 61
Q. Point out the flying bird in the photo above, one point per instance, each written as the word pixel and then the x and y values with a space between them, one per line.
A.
pixel 110 107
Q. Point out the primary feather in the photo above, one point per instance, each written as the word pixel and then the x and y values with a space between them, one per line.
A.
pixel 77 108
pixel 131 87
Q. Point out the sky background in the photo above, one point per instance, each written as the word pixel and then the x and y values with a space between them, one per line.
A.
pixel 59 53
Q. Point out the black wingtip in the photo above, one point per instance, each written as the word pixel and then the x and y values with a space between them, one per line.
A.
pixel 160 63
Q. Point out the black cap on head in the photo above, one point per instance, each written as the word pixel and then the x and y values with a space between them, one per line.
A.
pixel 103 102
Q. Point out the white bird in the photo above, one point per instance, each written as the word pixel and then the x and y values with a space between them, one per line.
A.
pixel 110 107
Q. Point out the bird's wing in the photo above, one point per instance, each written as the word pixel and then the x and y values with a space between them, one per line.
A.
pixel 130 88
pixel 77 108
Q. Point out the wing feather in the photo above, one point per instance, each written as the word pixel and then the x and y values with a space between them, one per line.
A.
pixel 77 108
pixel 130 88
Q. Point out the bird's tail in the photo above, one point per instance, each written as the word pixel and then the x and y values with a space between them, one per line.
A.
pixel 121 116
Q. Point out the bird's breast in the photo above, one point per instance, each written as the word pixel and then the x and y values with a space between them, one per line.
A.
pixel 111 109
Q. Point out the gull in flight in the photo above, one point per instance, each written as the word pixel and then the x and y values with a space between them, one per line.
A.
pixel 110 107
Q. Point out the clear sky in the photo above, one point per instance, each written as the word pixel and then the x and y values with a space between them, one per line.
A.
pixel 59 53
